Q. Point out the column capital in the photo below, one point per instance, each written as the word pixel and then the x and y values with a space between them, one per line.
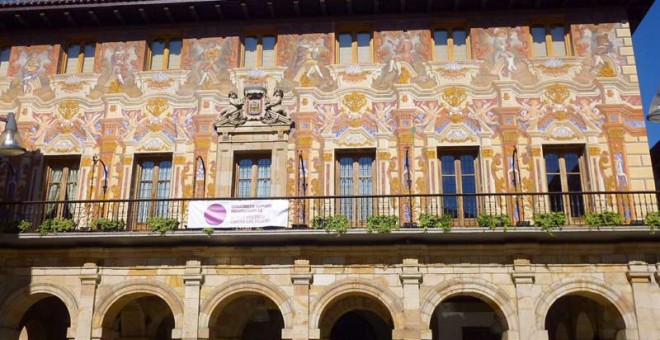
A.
pixel 411 278
pixel 89 274
pixel 523 278
pixel 639 272
pixel 302 278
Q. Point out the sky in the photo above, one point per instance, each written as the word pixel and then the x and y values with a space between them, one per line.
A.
pixel 647 54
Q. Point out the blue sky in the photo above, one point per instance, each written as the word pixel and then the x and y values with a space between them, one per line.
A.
pixel 647 54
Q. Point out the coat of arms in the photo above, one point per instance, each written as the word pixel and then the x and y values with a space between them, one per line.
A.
pixel 255 106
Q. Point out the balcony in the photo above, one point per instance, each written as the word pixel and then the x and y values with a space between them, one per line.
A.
pixel 497 212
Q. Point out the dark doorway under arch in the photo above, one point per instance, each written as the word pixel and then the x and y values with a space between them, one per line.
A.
pixel 575 317
pixel 139 316
pixel 48 319
pixel 360 325
pixel 466 318
pixel 247 317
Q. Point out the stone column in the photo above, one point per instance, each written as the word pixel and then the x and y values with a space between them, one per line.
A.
pixel 301 278
pixel 192 280
pixel 523 277
pixel 410 278
pixel 646 301
pixel 89 279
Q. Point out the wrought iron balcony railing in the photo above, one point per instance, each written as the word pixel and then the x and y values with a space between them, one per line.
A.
pixel 463 210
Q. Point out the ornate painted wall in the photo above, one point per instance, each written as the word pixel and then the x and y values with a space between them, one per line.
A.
pixel 498 100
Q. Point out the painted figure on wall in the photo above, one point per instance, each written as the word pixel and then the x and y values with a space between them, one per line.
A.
pixel 404 54
pixel 31 67
pixel 307 58
pixel 504 51
pixel 209 61
pixel 118 66
pixel 597 44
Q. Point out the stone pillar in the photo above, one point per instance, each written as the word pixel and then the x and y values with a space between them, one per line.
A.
pixel 301 278
pixel 89 279
pixel 410 278
pixel 192 280
pixel 523 277
pixel 646 301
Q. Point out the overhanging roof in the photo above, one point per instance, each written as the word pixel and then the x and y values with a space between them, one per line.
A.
pixel 49 14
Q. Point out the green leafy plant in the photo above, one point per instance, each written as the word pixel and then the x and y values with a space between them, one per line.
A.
pixel 15 226
pixel 56 225
pixel 494 221
pixel 652 220
pixel 603 219
pixel 550 221
pixel 24 226
pixel 162 224
pixel 428 221
pixel 382 223
pixel 105 224
pixel 208 231
pixel 337 223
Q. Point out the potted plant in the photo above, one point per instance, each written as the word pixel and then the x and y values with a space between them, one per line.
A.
pixel 56 225
pixel 428 221
pixel 550 221
pixel 105 224
pixel 382 223
pixel 493 221
pixel 337 223
pixel 652 220
pixel 603 219
pixel 162 224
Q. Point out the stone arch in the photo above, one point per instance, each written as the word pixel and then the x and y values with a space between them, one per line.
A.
pixel 236 288
pixel 503 305
pixel 588 287
pixel 111 301
pixel 361 287
pixel 17 304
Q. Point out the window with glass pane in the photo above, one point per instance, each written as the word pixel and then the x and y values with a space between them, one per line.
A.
pixel 252 176
pixel 564 175
pixel 539 45
pixel 355 178
pixel 72 59
pixel 268 51
pixel 441 41
pixel 459 183
pixel 250 53
pixel 459 42
pixel 174 54
pixel 558 35
pixel 154 177
pixel 62 185
pixel 157 54
pixel 345 48
pixel 5 53
pixel 88 58
pixel 363 48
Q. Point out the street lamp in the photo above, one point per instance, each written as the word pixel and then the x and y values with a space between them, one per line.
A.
pixel 654 110
pixel 10 140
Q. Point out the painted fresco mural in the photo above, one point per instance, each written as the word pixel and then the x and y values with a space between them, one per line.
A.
pixel 306 58
pixel 498 101
pixel 31 68
pixel 118 64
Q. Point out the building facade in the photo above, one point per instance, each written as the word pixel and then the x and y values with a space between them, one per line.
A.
pixel 464 109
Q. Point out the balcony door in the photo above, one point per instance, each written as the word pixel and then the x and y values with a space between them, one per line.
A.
pixel 252 176
pixel 564 172
pixel 458 168
pixel 153 175
pixel 355 177
pixel 62 185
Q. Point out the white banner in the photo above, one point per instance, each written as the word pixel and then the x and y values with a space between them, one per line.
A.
pixel 238 214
